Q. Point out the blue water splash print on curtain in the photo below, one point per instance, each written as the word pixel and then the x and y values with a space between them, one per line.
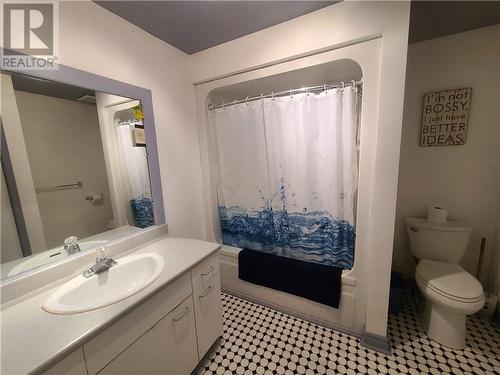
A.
pixel 288 176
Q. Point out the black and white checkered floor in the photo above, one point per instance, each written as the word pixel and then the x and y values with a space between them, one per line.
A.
pixel 260 340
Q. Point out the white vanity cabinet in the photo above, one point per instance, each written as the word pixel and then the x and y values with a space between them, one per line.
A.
pixel 166 348
pixel 207 303
pixel 167 334
pixel 113 343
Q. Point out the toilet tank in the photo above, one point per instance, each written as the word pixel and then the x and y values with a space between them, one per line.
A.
pixel 444 242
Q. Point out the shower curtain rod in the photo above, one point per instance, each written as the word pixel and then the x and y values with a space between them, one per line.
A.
pixel 324 87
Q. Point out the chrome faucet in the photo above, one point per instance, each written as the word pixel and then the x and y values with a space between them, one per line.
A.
pixel 102 263
pixel 71 245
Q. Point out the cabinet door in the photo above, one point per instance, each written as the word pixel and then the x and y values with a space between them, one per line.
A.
pixel 169 347
pixel 101 350
pixel 208 310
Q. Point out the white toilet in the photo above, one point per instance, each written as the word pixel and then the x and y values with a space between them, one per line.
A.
pixel 451 293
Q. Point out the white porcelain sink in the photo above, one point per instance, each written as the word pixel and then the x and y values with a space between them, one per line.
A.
pixel 132 274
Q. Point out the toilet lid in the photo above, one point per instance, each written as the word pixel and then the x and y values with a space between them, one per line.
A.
pixel 450 280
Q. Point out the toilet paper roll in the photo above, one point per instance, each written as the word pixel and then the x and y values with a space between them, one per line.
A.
pixel 94 197
pixel 437 214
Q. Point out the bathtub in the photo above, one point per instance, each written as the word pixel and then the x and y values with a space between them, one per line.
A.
pixel 343 318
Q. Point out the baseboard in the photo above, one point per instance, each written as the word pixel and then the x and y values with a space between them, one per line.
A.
pixel 376 342
pixel 202 362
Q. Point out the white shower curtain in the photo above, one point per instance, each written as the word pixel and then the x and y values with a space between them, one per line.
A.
pixel 134 170
pixel 242 156
pixel 288 175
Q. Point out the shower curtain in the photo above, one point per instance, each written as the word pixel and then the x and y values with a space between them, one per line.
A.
pixel 134 172
pixel 287 175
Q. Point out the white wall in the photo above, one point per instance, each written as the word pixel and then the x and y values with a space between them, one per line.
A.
pixel 97 41
pixel 64 145
pixel 461 178
pixel 331 28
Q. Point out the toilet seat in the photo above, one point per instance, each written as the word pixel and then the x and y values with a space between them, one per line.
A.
pixel 449 281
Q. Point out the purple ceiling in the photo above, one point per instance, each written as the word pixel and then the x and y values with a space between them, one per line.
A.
pixel 193 26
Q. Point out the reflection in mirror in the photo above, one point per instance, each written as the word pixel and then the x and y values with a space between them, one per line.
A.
pixel 74 171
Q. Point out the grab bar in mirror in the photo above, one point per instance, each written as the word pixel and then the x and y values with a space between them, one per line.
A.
pixel 75 185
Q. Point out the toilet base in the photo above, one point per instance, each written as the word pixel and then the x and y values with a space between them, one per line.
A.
pixel 444 326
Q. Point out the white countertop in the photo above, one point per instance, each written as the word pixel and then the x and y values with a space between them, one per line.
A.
pixel 33 340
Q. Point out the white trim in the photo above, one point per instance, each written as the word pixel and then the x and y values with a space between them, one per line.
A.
pixel 376 342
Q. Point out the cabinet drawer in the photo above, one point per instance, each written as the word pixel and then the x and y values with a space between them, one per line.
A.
pixel 168 348
pixel 208 310
pixel 101 350
pixel 203 271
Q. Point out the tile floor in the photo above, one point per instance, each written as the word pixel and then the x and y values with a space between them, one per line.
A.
pixel 260 340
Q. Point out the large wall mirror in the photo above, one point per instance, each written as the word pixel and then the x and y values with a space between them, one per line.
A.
pixel 79 166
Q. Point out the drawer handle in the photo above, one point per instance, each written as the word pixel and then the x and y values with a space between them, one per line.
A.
pixel 186 310
pixel 414 229
pixel 206 292
pixel 209 270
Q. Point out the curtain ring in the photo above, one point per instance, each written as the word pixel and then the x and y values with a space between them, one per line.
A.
pixel 291 96
pixel 223 106
pixel 262 97
pixel 324 87
pixel 343 85
pixel 246 100
pixel 272 96
pixel 307 91
pixel 234 103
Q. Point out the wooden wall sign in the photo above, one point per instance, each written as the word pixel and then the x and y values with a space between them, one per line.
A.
pixel 445 117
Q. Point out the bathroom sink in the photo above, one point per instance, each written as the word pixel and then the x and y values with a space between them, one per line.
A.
pixel 132 274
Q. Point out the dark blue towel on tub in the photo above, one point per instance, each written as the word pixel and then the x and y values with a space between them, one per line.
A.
pixel 316 282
